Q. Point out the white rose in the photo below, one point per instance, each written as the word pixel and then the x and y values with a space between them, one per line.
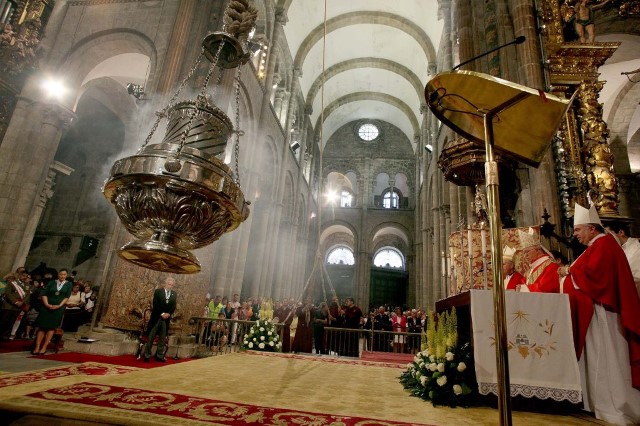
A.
pixel 271 344
pixel 418 374
pixel 433 366
pixel 432 358
pixel 261 328
pixel 251 330
pixel 421 364
pixel 246 335
pixel 442 380
pixel 255 340
pixel 416 359
pixel 269 333
pixel 410 366
pixel 261 337
pixel 423 380
pixel 278 345
pixel 250 345
pixel 448 356
pixel 246 342
pixel 462 366
pixel 457 389
pixel 261 345
pixel 441 367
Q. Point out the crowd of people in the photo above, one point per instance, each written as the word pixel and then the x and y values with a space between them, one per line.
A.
pixel 305 323
pixel 33 306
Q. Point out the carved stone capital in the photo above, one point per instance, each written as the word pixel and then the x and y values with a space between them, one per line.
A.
pixel 281 15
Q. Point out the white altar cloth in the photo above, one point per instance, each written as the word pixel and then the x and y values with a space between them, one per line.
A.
pixel 542 358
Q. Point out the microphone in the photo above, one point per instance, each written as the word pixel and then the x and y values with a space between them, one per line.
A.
pixel 517 40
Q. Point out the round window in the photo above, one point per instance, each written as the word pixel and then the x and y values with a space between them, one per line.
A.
pixel 368 132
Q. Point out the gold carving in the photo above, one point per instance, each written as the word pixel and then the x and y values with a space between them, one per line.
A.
pixel 603 184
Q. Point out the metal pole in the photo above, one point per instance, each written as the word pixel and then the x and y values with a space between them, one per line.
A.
pixel 493 201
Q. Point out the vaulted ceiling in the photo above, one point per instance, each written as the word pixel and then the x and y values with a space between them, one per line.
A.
pixel 372 55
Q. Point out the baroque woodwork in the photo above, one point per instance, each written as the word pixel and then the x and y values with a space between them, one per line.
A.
pixel 584 163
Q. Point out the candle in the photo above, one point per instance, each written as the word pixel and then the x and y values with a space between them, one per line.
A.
pixel 444 263
pixel 483 237
pixel 470 242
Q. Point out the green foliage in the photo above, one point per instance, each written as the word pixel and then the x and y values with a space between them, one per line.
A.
pixel 443 372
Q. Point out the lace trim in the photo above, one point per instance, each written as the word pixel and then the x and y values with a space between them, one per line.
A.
pixel 539 392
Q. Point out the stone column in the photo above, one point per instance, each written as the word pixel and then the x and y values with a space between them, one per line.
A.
pixel 26 153
pixel 174 60
pixel 36 213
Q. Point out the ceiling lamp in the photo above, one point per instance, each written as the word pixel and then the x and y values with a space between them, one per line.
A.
pixel 178 195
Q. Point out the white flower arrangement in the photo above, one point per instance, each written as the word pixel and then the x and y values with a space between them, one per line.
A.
pixel 263 336
pixel 439 372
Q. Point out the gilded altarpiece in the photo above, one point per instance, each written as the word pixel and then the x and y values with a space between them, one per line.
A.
pixel 470 257
pixel 584 162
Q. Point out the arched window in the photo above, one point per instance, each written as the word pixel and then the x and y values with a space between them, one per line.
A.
pixel 341 256
pixel 346 198
pixel 389 257
pixel 390 199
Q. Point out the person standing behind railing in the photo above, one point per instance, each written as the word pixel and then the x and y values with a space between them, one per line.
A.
pixel 399 323
pixel 320 319
pixel 352 319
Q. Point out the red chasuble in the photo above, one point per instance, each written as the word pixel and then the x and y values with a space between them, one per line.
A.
pixel 603 276
pixel 516 278
pixel 546 277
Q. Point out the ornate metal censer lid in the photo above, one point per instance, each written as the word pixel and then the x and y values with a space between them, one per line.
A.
pixel 178 195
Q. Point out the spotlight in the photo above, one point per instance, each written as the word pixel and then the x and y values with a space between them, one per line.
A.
pixel 295 146
pixel 54 88
pixel 136 90
pixel 428 147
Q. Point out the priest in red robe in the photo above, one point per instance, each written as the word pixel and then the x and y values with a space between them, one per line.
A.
pixel 605 307
pixel 542 275
pixel 512 278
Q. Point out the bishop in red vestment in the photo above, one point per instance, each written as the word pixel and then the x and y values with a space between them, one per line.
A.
pixel 605 307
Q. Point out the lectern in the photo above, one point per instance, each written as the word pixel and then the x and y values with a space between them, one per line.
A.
pixel 519 122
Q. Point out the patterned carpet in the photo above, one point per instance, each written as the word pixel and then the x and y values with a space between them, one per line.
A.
pixel 242 388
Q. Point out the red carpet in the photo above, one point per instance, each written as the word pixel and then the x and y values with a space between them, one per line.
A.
pixel 88 369
pixel 124 360
pixel 403 359
pixel 15 346
pixel 167 405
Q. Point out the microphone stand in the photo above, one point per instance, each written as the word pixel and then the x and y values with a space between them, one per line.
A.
pixel 517 40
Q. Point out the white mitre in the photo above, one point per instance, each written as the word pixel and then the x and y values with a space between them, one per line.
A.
pixel 582 216
pixel 528 239
pixel 508 253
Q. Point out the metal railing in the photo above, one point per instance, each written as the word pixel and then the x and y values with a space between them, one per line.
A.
pixel 221 336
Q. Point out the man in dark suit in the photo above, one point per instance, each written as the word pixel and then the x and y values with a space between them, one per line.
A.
pixel 164 305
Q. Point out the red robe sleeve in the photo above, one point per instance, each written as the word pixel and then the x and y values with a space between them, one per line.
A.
pixel 516 278
pixel 603 274
pixel 548 281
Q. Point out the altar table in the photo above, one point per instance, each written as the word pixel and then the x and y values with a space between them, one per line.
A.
pixel 542 359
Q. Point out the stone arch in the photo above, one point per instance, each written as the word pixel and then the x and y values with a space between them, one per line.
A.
pixel 357 63
pixel 369 96
pixel 334 226
pixel 94 49
pixel 383 230
pixel 267 164
pixel 287 198
pixel 619 119
pixel 366 17
pixel 114 97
